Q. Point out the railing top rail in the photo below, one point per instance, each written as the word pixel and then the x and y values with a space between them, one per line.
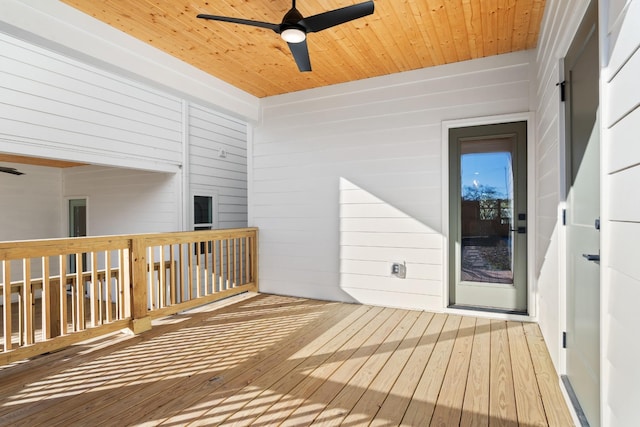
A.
pixel 52 247
pixel 62 246
pixel 195 236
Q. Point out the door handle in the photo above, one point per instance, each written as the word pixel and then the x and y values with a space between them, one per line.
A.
pixel 520 230
pixel 591 257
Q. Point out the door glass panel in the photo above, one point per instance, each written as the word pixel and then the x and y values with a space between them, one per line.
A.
pixel 486 214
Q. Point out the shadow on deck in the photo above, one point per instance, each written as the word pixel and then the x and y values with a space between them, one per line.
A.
pixel 272 360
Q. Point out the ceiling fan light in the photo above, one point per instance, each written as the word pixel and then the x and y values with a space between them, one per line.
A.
pixel 293 35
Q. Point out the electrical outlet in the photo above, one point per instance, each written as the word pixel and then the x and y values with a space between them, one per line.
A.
pixel 399 270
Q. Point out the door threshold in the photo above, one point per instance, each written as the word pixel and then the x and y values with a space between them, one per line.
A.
pixel 582 418
pixel 488 309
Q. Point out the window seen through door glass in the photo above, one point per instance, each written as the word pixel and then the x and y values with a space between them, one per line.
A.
pixel 202 210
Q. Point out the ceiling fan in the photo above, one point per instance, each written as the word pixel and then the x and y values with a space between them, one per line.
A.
pixel 294 27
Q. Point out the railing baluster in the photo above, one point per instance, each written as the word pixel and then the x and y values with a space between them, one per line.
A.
pixel 198 270
pixel 150 279
pixel 107 286
pixel 6 304
pixel 183 287
pixel 234 279
pixel 162 291
pixel 190 272
pixel 62 261
pixel 93 290
pixel 228 281
pixel 29 335
pixel 214 266
pixel 45 299
pixel 121 298
pixel 125 281
pixel 245 257
pixel 205 268
pixel 172 275
pixel 80 320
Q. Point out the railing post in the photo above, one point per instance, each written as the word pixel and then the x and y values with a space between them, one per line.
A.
pixel 140 320
pixel 254 263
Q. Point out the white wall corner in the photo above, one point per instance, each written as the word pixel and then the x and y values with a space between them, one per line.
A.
pixel 250 132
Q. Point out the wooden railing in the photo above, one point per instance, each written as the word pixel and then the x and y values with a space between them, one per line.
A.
pixel 62 291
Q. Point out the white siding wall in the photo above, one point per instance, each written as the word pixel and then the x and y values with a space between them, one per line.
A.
pixel 218 163
pixel 60 108
pixel 125 201
pixel 561 20
pixel 30 204
pixel 56 107
pixel 621 253
pixel 347 179
pixel 60 27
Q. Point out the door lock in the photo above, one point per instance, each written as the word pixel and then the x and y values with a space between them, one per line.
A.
pixel 592 257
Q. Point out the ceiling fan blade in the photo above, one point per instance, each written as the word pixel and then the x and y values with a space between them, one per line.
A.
pixel 12 171
pixel 335 17
pixel 274 27
pixel 300 53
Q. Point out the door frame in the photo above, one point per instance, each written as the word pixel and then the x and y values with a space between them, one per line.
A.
pixel 527 117
pixel 67 219
pixel 66 201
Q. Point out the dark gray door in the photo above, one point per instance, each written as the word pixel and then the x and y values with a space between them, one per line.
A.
pixel 488 217
pixel 582 217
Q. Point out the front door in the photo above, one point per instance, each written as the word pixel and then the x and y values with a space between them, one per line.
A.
pixel 488 217
pixel 582 218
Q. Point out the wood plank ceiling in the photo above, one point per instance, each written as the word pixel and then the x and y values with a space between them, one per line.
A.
pixel 401 35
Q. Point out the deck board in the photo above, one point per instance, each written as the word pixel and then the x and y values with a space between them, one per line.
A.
pixel 265 360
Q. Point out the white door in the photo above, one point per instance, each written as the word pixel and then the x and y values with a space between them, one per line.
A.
pixel 582 219
pixel 488 217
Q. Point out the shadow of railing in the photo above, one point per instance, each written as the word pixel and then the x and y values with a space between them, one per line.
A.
pixel 265 360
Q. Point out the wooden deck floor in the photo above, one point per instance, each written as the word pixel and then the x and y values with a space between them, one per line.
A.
pixel 268 360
